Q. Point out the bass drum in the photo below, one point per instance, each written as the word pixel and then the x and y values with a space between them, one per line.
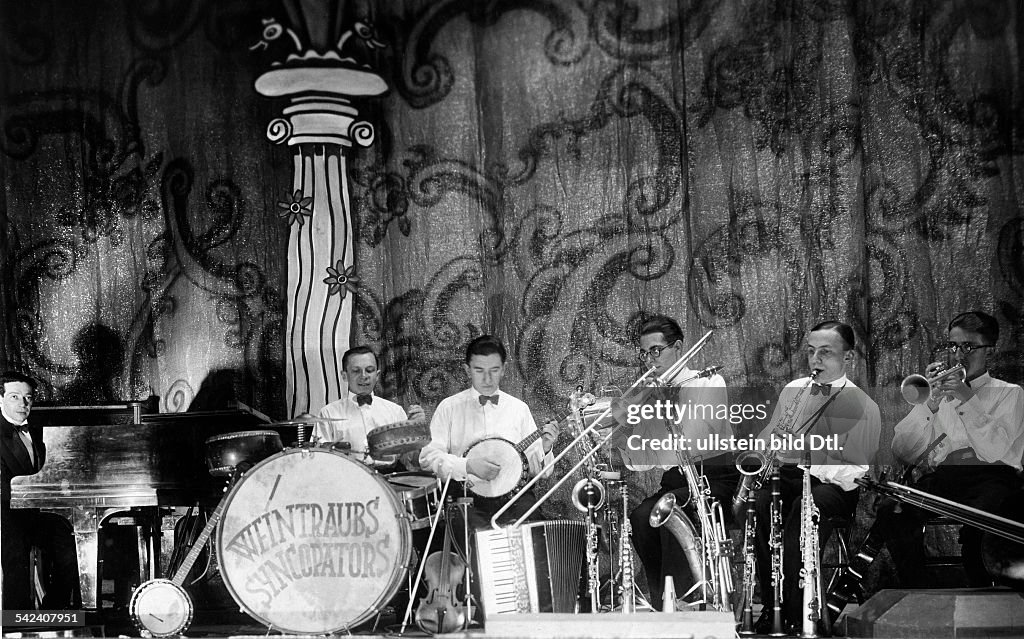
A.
pixel 313 542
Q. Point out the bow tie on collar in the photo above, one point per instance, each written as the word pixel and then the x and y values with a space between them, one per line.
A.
pixel 488 398
pixel 364 398
pixel 821 389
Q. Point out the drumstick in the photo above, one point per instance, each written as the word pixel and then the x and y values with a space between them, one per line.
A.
pixel 426 553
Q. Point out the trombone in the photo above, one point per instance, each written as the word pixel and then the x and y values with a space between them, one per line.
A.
pixel 916 389
pixel 665 378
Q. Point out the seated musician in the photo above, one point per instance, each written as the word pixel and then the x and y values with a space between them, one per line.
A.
pixel 661 345
pixel 976 463
pixel 361 410
pixel 479 412
pixel 828 406
pixel 22 452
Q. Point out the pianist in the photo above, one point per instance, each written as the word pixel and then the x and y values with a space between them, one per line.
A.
pixel 22 452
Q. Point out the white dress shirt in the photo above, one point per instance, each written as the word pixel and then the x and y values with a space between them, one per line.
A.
pixel 991 423
pixel 694 426
pixel 852 415
pixel 359 420
pixel 460 421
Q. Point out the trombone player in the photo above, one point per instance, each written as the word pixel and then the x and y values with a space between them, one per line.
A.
pixel 978 423
pixel 661 346
pixel 826 403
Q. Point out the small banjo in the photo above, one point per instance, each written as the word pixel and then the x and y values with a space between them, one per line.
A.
pixel 161 607
pixel 515 468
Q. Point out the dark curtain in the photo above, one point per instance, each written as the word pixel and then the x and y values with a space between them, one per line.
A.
pixel 548 171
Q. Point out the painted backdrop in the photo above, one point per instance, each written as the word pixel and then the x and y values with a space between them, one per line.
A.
pixel 547 171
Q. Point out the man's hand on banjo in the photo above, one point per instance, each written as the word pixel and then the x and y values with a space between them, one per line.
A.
pixel 549 435
pixel 483 468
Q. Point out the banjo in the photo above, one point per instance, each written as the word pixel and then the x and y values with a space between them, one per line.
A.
pixel 161 607
pixel 515 468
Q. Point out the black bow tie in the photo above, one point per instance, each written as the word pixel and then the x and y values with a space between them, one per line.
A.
pixel 821 389
pixel 364 398
pixel 488 398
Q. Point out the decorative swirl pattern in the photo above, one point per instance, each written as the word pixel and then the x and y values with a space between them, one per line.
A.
pixel 362 133
pixel 279 130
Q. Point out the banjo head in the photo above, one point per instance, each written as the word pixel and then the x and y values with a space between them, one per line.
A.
pixel 504 453
pixel 161 607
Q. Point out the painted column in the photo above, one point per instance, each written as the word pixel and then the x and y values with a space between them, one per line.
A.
pixel 320 124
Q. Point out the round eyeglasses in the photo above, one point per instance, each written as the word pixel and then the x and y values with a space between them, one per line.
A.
pixel 653 353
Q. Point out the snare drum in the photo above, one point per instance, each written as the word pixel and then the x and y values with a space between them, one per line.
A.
pixel 313 542
pixel 420 494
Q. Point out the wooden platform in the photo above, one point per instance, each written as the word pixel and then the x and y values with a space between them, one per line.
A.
pixel 974 612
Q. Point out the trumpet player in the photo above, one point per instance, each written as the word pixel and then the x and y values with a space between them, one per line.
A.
pixel 661 345
pixel 826 403
pixel 975 464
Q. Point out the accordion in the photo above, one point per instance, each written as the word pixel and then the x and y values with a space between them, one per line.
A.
pixel 533 568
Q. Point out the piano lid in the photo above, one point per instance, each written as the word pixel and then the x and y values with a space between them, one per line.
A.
pixel 159 461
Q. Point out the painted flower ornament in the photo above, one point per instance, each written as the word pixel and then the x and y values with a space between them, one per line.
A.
pixel 297 210
pixel 340 279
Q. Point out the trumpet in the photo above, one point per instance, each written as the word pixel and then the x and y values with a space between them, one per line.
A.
pixel 916 389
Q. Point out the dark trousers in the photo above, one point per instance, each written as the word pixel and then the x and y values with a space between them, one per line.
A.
pixel 981 486
pixel 831 500
pixel 21 530
pixel 657 549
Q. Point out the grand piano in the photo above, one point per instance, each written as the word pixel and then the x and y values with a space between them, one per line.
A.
pixel 105 460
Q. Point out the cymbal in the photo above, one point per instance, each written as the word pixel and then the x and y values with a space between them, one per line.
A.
pixel 307 420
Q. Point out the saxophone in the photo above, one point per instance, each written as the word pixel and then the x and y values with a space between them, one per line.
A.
pixel 810 570
pixel 710 558
pixel 626 557
pixel 754 479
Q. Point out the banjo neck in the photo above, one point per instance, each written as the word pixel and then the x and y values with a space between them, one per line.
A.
pixel 193 554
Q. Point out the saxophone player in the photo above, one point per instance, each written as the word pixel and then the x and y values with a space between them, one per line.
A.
pixel 975 464
pixel 827 403
pixel 661 345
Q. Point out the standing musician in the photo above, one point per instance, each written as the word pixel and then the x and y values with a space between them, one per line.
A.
pixel 22 452
pixel 361 410
pixel 661 345
pixel 976 463
pixel 479 412
pixel 830 405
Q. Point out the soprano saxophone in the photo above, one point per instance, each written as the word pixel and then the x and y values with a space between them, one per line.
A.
pixel 810 569
pixel 757 477
pixel 626 556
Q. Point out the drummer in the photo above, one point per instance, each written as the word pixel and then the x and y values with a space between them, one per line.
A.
pixel 361 410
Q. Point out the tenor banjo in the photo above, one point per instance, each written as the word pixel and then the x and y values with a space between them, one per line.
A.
pixel 511 458
pixel 161 607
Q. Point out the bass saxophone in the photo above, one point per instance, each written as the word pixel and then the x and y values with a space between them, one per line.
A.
pixel 765 465
pixel 710 559
pixel 810 569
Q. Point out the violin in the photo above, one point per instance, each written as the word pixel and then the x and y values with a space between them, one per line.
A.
pixel 439 612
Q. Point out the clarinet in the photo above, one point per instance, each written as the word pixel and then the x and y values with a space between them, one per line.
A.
pixel 749 567
pixel 775 544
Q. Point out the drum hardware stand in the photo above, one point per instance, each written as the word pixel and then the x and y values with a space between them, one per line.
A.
pixel 423 560
pixel 464 503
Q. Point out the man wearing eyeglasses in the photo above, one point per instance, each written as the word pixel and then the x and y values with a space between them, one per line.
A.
pixel 661 346
pixel 975 463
